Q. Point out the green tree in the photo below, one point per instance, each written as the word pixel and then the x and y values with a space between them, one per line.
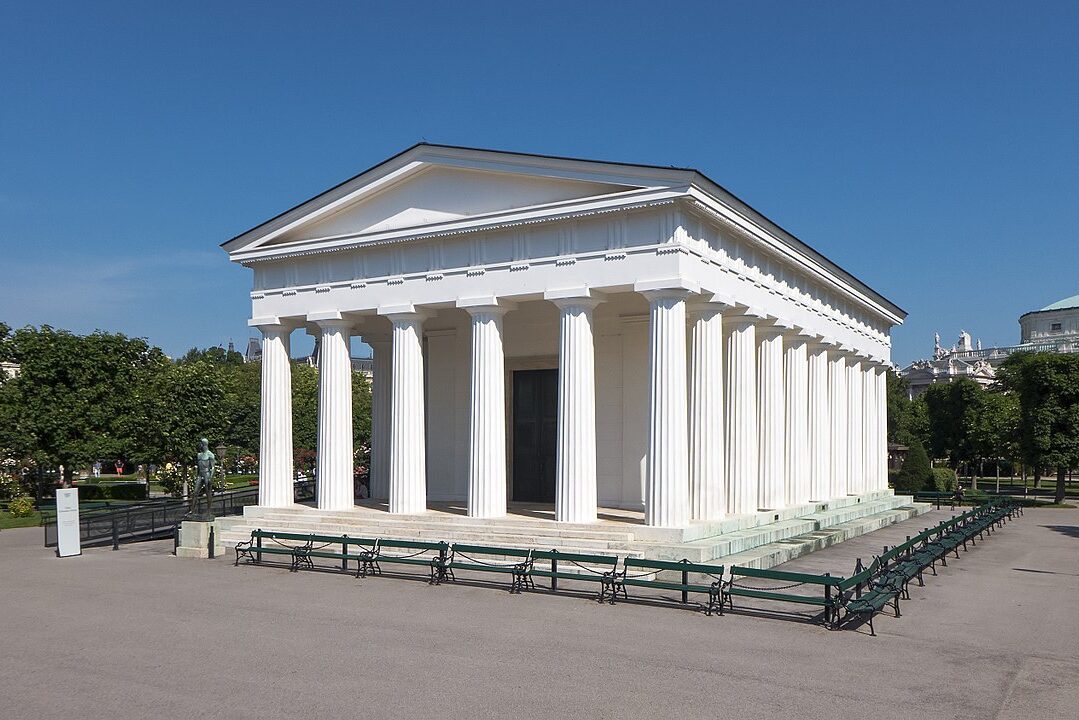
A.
pixel 1047 388
pixel 212 355
pixel 68 404
pixel 908 420
pixel 994 429
pixel 952 408
pixel 916 470
pixel 176 408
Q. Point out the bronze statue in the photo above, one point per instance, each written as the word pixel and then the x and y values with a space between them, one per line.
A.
pixel 205 462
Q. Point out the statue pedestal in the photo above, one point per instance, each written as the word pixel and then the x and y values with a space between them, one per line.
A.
pixel 195 540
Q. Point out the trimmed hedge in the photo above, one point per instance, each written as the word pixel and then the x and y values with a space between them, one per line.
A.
pixel 118 491
pixel 944 479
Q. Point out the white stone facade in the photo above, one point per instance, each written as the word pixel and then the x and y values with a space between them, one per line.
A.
pixel 708 363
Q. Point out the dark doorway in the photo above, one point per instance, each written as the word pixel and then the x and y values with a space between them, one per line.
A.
pixel 535 434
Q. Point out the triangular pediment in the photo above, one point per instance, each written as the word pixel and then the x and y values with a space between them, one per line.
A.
pixel 437 194
pixel 437 187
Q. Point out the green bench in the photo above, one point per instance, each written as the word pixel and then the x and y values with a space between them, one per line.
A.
pixel 286 544
pixel 936 498
pixel 640 572
pixel 865 593
pixel 462 557
pixel 522 568
pixel 591 567
pixel 369 554
pixel 828 600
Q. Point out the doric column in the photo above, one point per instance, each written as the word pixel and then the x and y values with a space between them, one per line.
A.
pixel 796 426
pixel 382 374
pixel 667 482
pixel 882 427
pixel 335 454
pixel 707 496
pixel 487 411
pixel 869 426
pixel 275 428
pixel 408 448
pixel 770 421
pixel 740 395
pixel 855 429
pixel 820 452
pixel 575 460
pixel 837 410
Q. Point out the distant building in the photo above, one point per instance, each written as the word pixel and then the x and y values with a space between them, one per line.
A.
pixel 9 369
pixel 1055 325
pixel 949 366
pixel 1054 328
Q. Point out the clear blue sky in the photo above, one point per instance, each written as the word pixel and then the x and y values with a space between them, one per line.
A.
pixel 932 149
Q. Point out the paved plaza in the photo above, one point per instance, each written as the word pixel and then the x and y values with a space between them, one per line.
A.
pixel 137 634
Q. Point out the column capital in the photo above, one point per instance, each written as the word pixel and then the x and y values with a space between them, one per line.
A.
pixel 487 304
pixel 773 327
pixel 710 303
pixel 405 311
pixel 574 297
pixel 822 342
pixel 330 321
pixel 272 323
pixel 673 287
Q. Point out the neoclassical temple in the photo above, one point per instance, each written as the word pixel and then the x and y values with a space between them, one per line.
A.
pixel 578 333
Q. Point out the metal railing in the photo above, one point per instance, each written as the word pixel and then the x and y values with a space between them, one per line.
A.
pixel 159 519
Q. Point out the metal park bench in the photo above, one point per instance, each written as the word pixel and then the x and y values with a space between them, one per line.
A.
pixel 302 548
pixel 462 557
pixel 828 600
pixel 640 572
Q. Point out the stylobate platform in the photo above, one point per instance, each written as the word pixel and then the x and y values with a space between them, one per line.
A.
pixel 762 539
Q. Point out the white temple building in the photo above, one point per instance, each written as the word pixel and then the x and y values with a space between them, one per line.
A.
pixel 581 334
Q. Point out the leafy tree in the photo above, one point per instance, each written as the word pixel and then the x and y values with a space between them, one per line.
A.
pixel 952 409
pixel 916 470
pixel 1047 388
pixel 994 428
pixel 212 355
pixel 908 420
pixel 69 402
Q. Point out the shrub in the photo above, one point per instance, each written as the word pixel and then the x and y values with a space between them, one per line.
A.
pixel 944 479
pixel 21 507
pixel 916 470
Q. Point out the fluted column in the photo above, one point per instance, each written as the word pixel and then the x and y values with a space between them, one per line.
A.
pixel 770 421
pixel 820 453
pixel 382 374
pixel 275 421
pixel 575 458
pixel 796 426
pixel 408 449
pixel 667 483
pixel 335 455
pixel 881 381
pixel 882 428
pixel 740 395
pixel 855 437
pixel 837 409
pixel 869 427
pixel 487 414
pixel 707 497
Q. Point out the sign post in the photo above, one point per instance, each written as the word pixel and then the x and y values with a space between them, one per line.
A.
pixel 68 538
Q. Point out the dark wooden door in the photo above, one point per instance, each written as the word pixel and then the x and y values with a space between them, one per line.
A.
pixel 535 434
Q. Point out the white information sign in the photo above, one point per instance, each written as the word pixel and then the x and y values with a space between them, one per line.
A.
pixel 68 538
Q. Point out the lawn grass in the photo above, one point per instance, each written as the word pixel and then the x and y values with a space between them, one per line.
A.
pixel 7 520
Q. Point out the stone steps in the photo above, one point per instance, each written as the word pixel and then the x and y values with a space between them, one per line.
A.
pixel 745 541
